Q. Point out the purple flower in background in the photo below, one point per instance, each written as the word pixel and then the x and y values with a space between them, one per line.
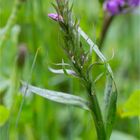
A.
pixel 133 3
pixel 55 17
pixel 114 6
pixel 118 6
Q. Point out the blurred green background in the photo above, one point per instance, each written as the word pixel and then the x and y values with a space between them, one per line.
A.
pixel 42 119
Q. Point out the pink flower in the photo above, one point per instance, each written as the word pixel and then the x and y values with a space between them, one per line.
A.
pixel 55 17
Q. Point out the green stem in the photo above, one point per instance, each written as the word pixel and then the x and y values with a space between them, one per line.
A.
pixel 10 23
pixel 96 113
pixel 94 107
pixel 107 22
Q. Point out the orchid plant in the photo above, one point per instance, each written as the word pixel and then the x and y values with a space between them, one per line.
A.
pixel 81 66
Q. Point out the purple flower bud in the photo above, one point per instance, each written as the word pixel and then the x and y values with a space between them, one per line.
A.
pixel 118 6
pixel 114 6
pixel 133 3
pixel 55 17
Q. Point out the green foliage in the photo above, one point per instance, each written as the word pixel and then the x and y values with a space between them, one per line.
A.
pixel 122 136
pixel 110 106
pixel 44 120
pixel 59 97
pixel 73 47
pixel 131 108
pixel 110 92
pixel 4 115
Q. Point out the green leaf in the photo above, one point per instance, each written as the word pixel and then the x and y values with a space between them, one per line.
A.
pixel 111 113
pixel 108 90
pixel 131 107
pixel 63 71
pixel 4 115
pixel 4 130
pixel 111 90
pixel 59 97
pixel 116 135
pixel 3 85
pixel 95 48
pixel 98 77
pixel 110 98
pixel 2 31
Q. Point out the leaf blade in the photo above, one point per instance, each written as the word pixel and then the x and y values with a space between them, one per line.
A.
pixel 59 97
pixel 111 94
pixel 110 100
pixel 131 107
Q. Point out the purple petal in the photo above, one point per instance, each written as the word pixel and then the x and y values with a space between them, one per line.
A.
pixel 55 17
pixel 118 6
pixel 112 7
pixel 133 3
